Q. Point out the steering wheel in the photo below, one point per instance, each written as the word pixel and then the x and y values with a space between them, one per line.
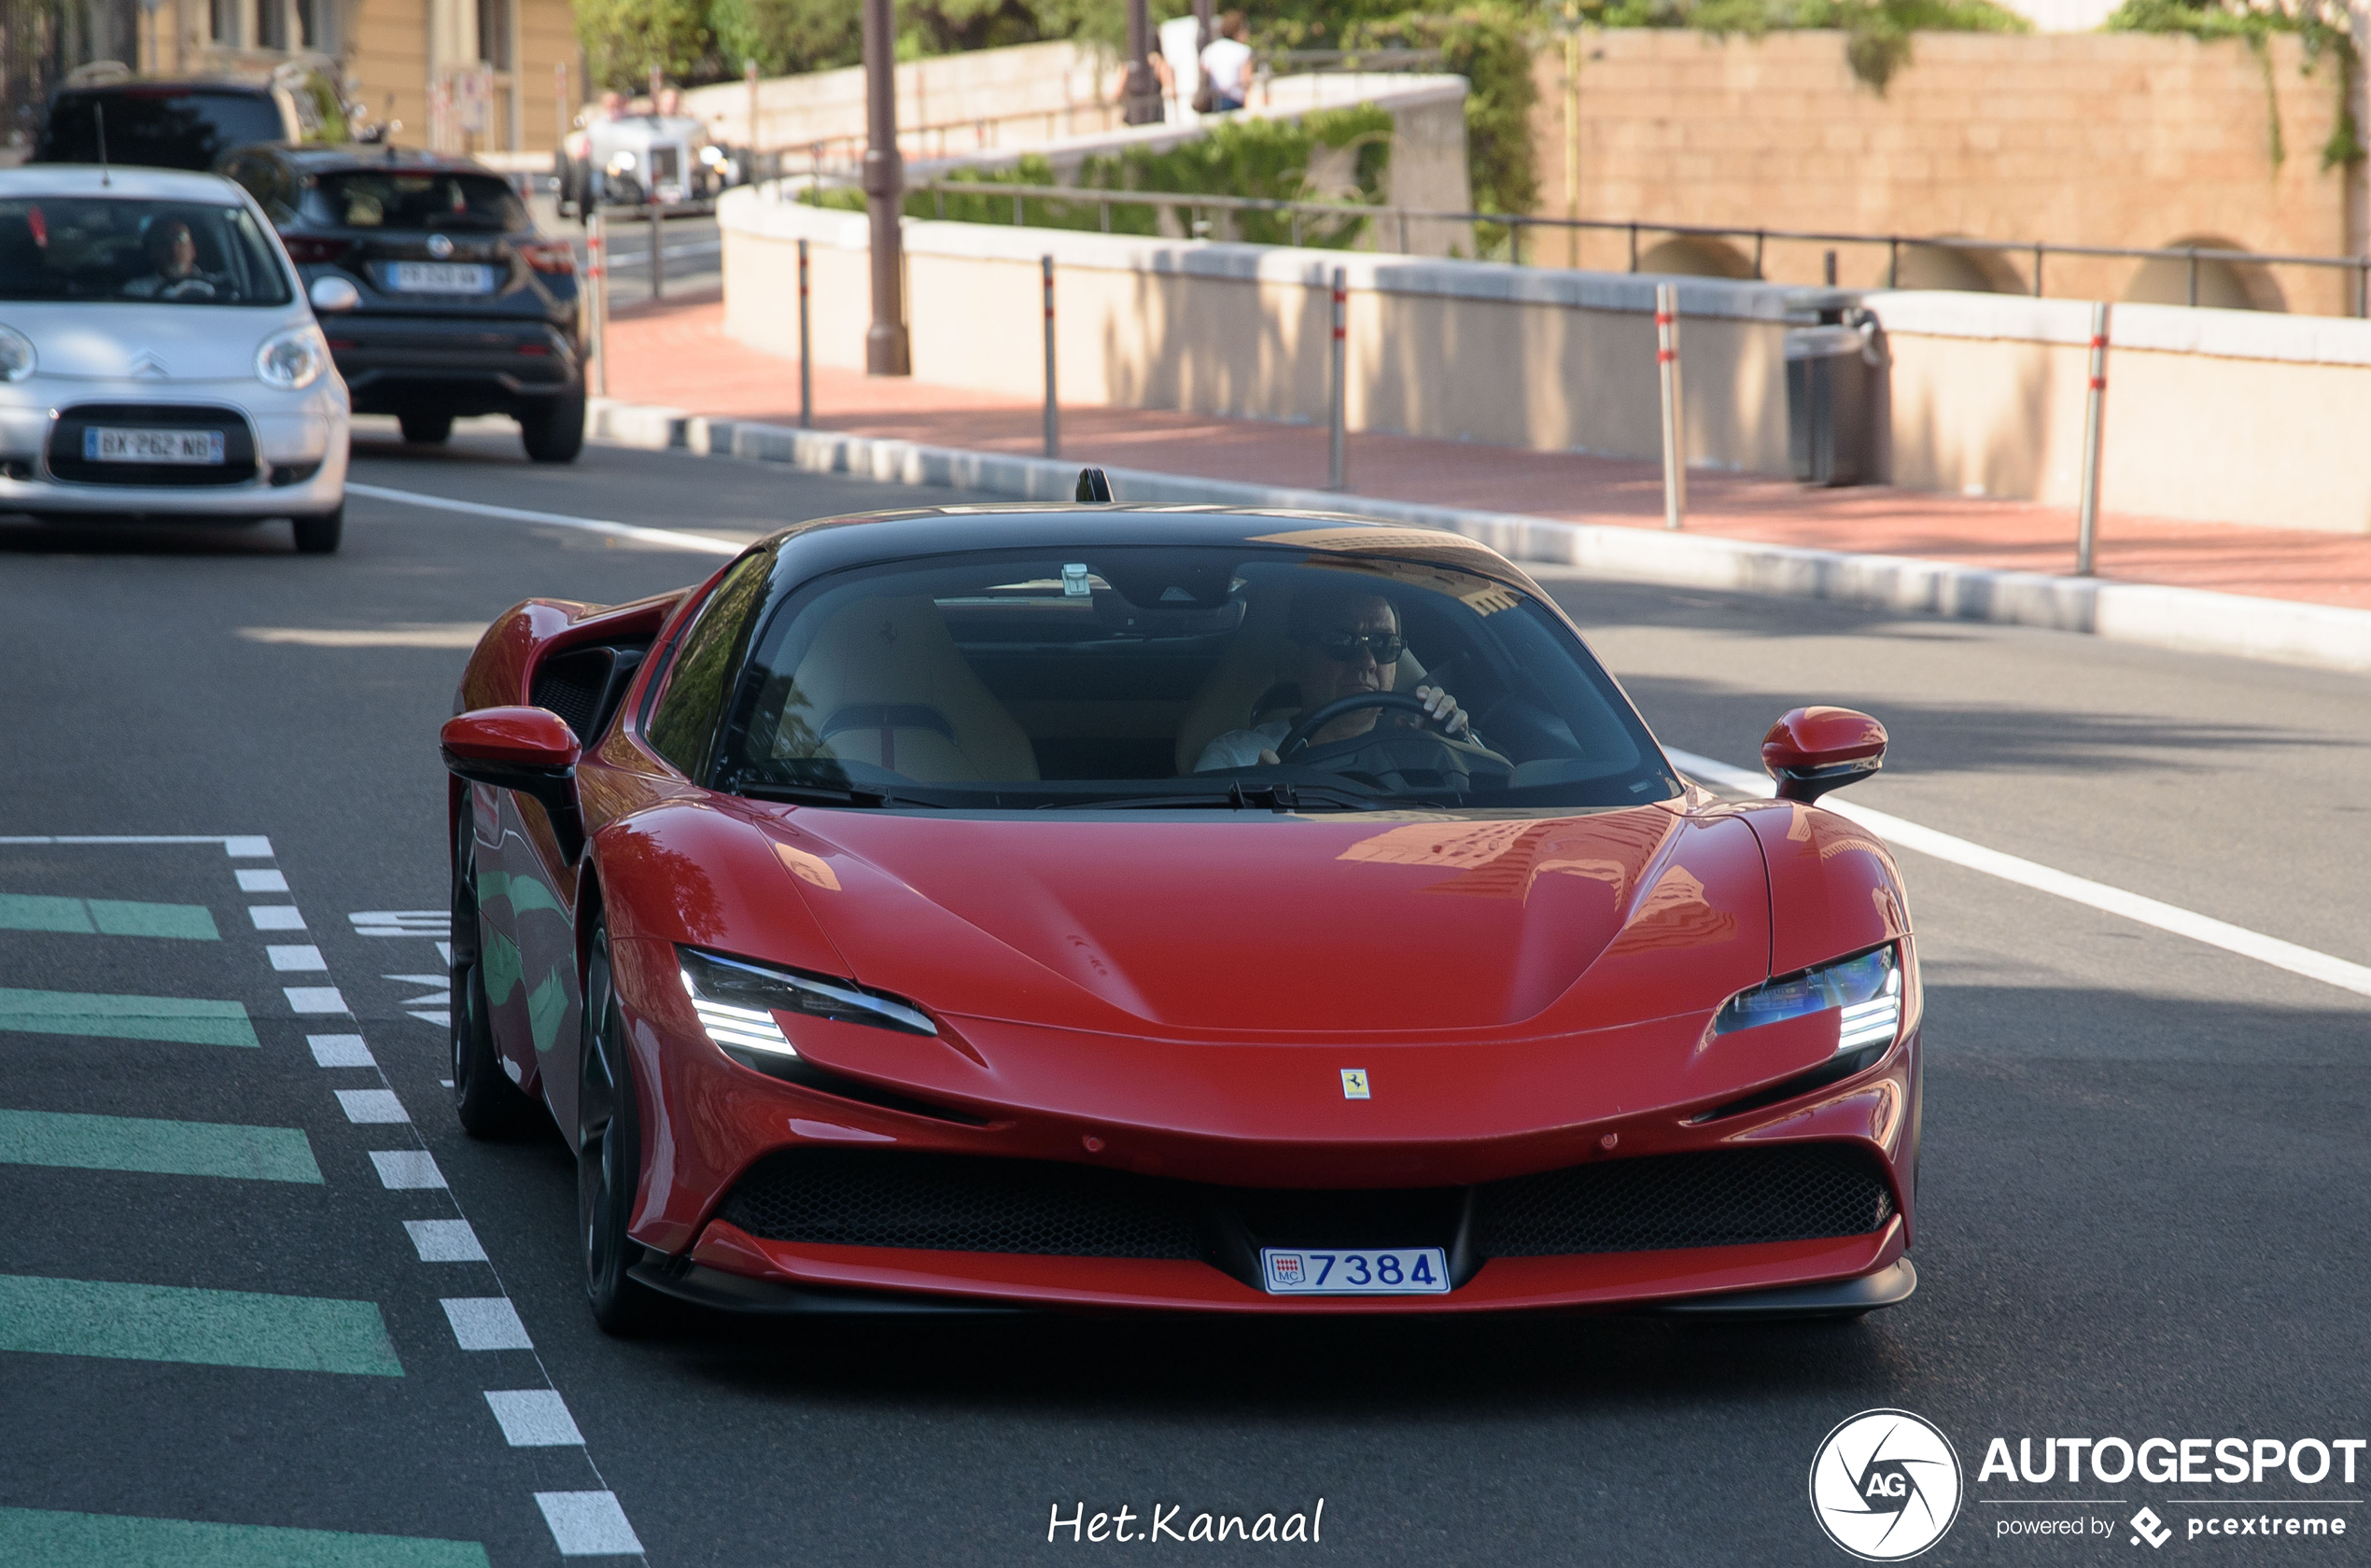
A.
pixel 1352 704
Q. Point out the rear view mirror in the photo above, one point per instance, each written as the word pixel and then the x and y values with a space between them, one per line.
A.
pixel 333 295
pixel 1813 750
pixel 529 749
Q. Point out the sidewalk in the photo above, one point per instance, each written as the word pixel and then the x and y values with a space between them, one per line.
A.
pixel 675 355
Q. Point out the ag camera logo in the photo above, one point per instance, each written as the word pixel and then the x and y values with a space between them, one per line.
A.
pixel 1885 1485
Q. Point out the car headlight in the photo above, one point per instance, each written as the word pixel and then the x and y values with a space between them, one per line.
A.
pixel 1866 991
pixel 622 163
pixel 712 156
pixel 737 1000
pixel 17 358
pixel 292 359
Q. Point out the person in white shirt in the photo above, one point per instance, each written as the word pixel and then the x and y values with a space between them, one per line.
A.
pixel 1227 65
pixel 1341 644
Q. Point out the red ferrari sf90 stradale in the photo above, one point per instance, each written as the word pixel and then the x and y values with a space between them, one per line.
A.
pixel 1120 907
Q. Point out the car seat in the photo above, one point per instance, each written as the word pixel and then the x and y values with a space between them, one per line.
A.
pixel 884 683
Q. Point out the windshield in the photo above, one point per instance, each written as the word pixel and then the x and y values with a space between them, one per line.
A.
pixel 105 249
pixel 1225 677
pixel 158 128
pixel 401 199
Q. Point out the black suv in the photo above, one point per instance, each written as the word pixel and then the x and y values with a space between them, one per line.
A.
pixel 464 308
pixel 185 124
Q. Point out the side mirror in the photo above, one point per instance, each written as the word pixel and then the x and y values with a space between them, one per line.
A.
pixel 529 749
pixel 1813 750
pixel 333 295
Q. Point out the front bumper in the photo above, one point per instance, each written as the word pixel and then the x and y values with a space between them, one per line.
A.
pixel 296 443
pixel 719 1139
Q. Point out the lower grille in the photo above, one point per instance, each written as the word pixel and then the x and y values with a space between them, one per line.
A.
pixel 67 461
pixel 967 1203
pixel 1717 1198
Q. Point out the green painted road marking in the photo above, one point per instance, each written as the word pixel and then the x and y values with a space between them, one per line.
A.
pixel 70 1139
pixel 60 1540
pixel 127 1017
pixel 191 922
pixel 25 912
pixel 208 1327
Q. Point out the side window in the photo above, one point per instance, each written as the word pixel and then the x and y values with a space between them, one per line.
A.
pixel 682 726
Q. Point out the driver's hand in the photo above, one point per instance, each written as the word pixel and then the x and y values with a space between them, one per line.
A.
pixel 1442 709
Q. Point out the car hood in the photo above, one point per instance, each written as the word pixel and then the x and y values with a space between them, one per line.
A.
pixel 1272 925
pixel 158 343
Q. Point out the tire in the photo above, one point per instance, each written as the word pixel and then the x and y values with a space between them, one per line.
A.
pixel 554 432
pixel 609 1160
pixel 485 1101
pixel 426 429
pixel 320 535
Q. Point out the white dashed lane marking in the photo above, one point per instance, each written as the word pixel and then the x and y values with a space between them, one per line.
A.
pixel 534 1419
pixel 407 1170
pixel 372 1105
pixel 445 1241
pixel 587 1523
pixel 314 999
pixel 267 881
pixel 276 916
pixel 340 1050
pixel 295 958
pixel 486 1322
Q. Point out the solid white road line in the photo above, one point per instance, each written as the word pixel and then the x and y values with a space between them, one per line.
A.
pixel 239 847
pixel 2048 879
pixel 699 543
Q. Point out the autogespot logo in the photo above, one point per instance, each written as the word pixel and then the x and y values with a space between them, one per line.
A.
pixel 1885 1485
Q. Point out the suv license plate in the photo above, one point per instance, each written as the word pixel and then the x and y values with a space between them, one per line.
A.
pixel 102 443
pixel 1355 1271
pixel 442 277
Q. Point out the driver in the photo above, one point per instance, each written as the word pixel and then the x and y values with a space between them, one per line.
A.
pixel 172 253
pixel 1341 643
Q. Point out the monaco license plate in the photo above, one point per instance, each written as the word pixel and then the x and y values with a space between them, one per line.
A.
pixel 104 443
pixel 441 277
pixel 1355 1271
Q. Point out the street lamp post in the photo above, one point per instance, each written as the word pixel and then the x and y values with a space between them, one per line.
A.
pixel 887 351
pixel 1142 92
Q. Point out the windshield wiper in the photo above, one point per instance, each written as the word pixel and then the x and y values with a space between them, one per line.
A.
pixel 1235 797
pixel 822 795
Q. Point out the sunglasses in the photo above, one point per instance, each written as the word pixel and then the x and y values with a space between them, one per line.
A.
pixel 1343 646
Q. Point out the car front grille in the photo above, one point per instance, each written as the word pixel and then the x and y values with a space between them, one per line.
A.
pixel 968 1203
pixel 66 460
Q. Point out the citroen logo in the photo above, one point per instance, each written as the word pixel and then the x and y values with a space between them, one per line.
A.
pixel 146 363
pixel 439 247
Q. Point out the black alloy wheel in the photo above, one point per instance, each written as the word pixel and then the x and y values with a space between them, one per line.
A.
pixel 552 431
pixel 424 430
pixel 484 1100
pixel 320 535
pixel 609 1159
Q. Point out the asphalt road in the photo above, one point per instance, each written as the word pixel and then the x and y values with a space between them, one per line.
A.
pixel 2141 1205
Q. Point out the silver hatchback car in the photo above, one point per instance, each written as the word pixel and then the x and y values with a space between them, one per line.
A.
pixel 158 357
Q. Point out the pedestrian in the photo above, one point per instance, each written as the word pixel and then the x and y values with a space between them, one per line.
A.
pixel 1227 65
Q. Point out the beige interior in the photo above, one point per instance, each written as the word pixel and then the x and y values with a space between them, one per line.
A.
pixel 878 657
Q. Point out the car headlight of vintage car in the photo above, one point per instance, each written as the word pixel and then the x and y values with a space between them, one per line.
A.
pixel 292 359
pixel 737 1000
pixel 1865 990
pixel 16 358
pixel 620 162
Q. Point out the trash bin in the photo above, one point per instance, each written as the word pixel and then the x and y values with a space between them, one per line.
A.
pixel 1832 390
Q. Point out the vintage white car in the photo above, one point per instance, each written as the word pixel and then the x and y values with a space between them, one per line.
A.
pixel 158 357
pixel 644 160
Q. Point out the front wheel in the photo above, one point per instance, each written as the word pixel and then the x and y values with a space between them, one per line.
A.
pixel 609 1160
pixel 554 431
pixel 320 535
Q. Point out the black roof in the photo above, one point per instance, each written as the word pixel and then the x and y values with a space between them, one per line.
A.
pixel 152 87
pixel 316 158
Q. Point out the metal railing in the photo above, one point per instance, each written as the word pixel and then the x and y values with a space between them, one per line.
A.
pixel 1518 225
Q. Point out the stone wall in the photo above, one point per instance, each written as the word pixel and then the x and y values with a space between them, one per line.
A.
pixel 2105 139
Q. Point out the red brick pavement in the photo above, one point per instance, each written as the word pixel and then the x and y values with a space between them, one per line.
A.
pixel 675 353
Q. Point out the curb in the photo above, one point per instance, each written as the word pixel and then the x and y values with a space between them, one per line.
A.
pixel 2190 620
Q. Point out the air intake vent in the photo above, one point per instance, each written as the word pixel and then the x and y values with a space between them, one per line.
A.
pixel 1718 1198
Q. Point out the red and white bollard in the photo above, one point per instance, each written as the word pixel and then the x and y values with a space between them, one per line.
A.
pixel 1339 413
pixel 2094 420
pixel 1667 364
pixel 1053 410
pixel 806 353
pixel 596 290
